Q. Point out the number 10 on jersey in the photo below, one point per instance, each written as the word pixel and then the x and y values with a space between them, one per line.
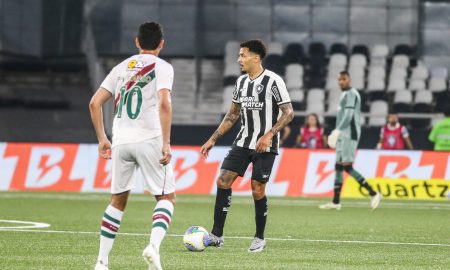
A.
pixel 126 98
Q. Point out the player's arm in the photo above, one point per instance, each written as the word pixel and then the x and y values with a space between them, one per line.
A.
pixel 287 114
pixel 95 107
pixel 165 118
pixel 228 122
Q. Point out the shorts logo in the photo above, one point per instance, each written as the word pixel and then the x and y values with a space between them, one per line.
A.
pixel 259 88
pixel 265 176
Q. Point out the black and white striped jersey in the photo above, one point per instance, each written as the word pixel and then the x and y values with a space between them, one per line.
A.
pixel 260 100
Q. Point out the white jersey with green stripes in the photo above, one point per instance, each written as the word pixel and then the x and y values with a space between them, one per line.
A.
pixel 134 84
pixel 348 119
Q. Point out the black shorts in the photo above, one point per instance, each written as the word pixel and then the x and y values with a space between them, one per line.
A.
pixel 238 159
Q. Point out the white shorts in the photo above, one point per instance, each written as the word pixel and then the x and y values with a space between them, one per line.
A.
pixel 127 158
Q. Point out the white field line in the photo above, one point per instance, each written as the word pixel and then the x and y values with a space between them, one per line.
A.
pixel 236 200
pixel 26 224
pixel 361 242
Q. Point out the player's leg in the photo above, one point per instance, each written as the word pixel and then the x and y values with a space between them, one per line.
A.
pixel 338 180
pixel 123 167
pixel 159 180
pixel 222 205
pixel 262 168
pixel 375 197
pixel 235 164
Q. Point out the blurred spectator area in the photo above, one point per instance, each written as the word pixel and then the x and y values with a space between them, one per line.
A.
pixel 396 52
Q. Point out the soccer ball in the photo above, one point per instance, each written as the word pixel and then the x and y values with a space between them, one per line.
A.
pixel 196 238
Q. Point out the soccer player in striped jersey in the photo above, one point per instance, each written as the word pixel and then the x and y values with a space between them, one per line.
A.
pixel 345 139
pixel 261 100
pixel 141 87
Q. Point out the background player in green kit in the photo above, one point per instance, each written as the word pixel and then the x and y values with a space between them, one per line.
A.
pixel 345 139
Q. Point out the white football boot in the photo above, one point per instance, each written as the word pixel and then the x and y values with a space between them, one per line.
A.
pixel 331 205
pixel 257 245
pixel 151 256
pixel 101 266
pixel 375 200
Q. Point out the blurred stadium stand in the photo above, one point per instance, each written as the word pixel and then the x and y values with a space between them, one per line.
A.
pixel 395 51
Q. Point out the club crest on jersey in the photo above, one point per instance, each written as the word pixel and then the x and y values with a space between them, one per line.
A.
pixel 259 88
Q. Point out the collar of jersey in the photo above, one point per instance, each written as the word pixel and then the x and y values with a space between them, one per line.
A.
pixel 264 70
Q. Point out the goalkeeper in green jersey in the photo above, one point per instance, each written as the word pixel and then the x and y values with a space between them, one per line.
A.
pixel 345 139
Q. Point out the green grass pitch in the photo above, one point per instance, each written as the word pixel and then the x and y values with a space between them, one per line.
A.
pixel 399 235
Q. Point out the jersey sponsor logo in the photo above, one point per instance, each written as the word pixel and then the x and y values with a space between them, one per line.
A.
pixel 259 88
pixel 133 64
pixel 251 103
pixel 276 93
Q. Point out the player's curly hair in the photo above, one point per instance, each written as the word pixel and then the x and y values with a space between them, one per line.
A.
pixel 255 46
pixel 150 35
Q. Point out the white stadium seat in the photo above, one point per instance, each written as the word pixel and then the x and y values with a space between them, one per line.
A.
pixel 379 110
pixel 437 84
pixel 417 84
pixel 275 48
pixel 403 96
pixel 396 84
pixel 423 96
pixel 400 61
pixel 439 72
pixel 379 50
pixel 419 72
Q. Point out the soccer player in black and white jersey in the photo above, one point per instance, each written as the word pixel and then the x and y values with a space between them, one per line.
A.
pixel 261 100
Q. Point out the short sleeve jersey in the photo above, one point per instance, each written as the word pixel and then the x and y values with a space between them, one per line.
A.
pixel 134 84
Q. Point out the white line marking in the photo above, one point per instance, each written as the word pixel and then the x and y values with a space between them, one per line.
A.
pixel 30 225
pixel 243 237
pixel 243 200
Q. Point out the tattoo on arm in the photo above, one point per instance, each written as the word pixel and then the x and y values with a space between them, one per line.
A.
pixel 228 121
pixel 286 117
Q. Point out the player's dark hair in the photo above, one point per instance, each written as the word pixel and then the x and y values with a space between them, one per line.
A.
pixel 255 46
pixel 344 72
pixel 306 125
pixel 150 35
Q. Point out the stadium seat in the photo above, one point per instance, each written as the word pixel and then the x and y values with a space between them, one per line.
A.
pixel 275 48
pixel 439 72
pixel 275 63
pixel 417 84
pixel 338 60
pixel 378 111
pixel 423 103
pixel 419 72
pixel 332 83
pixel 396 84
pixel 231 51
pixel 398 73
pixel 357 60
pixel 315 94
pixel 294 53
pixel 297 97
pixel 379 51
pixel 403 49
pixel 294 76
pixel 317 49
pixel 226 98
pixel 437 84
pixel 361 49
pixel 315 107
pixel 232 69
pixel 378 61
pixel 400 61
pixel 402 101
pixel 338 48
pixel 377 72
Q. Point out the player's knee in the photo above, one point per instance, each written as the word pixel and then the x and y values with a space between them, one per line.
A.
pixel 347 168
pixel 258 191
pixel 339 167
pixel 119 204
pixel 223 182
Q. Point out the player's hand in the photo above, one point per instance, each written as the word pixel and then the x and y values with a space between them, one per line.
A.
pixel 264 142
pixel 166 155
pixel 206 147
pixel 104 148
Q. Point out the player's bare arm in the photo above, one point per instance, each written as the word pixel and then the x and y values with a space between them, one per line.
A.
pixel 95 107
pixel 287 114
pixel 228 122
pixel 165 117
